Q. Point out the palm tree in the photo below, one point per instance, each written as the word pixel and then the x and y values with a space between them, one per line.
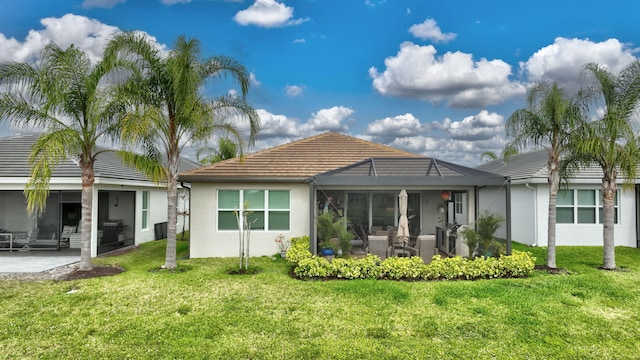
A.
pixel 169 112
pixel 490 155
pixel 227 149
pixel 610 141
pixel 62 95
pixel 549 122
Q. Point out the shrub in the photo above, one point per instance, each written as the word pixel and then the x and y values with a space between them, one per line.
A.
pixel 482 242
pixel 298 250
pixel 409 268
pixel 306 265
pixel 314 267
pixel 447 268
pixel 518 264
pixel 349 268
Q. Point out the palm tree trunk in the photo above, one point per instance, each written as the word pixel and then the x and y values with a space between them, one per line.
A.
pixel 87 206
pixel 170 258
pixel 554 182
pixel 608 196
pixel 172 214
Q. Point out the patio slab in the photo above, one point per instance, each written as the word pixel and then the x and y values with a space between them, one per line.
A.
pixel 36 261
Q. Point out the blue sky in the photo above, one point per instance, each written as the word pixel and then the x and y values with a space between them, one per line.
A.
pixel 438 78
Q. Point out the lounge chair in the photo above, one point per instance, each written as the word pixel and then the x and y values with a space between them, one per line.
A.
pixel 24 240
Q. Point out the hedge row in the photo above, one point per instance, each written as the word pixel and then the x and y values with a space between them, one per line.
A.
pixel 309 266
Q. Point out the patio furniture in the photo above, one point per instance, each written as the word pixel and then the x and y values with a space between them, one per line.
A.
pixel 6 238
pixel 379 245
pixel 65 236
pixel 427 247
pixel 23 240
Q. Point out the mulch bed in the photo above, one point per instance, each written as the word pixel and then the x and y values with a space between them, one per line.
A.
pixel 96 271
pixel 553 271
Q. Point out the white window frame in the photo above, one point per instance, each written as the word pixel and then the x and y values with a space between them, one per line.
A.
pixel 145 209
pixel 597 206
pixel 266 209
pixel 458 205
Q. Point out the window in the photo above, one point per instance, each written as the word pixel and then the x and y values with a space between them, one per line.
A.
pixel 582 207
pixel 457 201
pixel 270 209
pixel 145 209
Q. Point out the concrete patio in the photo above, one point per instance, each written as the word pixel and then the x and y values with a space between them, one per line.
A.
pixel 36 261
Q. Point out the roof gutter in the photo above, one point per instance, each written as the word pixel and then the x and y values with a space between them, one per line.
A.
pixel 219 179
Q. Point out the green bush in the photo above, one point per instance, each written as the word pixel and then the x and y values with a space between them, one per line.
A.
pixel 314 267
pixel 519 264
pixel 447 268
pixel 482 241
pixel 350 268
pixel 307 265
pixel 409 268
pixel 298 250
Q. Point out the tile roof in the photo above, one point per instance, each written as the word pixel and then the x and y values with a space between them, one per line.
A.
pixel 14 161
pixel 295 161
pixel 533 165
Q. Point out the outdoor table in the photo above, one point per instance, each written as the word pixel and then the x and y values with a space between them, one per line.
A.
pixel 10 241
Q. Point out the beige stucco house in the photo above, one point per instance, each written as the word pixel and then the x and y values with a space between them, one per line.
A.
pixel 287 186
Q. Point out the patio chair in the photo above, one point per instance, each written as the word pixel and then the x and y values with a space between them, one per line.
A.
pixel 427 247
pixel 25 239
pixel 65 236
pixel 379 245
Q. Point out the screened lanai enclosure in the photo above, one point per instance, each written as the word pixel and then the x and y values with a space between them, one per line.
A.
pixel 441 198
pixel 58 226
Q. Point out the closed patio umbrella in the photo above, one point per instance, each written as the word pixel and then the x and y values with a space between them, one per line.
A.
pixel 403 222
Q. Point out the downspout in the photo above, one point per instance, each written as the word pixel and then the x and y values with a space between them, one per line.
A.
pixel 535 213
pixel 508 216
pixel 313 246
pixel 637 188
pixel 184 186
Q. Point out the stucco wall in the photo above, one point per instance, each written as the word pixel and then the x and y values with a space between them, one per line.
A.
pixel 530 216
pixel 207 241
pixel 591 234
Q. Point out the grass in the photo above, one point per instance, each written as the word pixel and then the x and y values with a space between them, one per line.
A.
pixel 206 313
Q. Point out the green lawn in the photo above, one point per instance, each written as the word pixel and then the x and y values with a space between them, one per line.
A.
pixel 204 313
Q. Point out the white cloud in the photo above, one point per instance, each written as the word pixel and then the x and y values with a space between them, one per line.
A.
pixel 461 142
pixel 564 60
pixel 430 30
pixel 397 126
pixel 331 119
pixel 299 41
pixel 373 3
pixel 267 14
pixel 104 4
pixel 86 34
pixel 482 126
pixel 253 79
pixel 277 125
pixel 294 90
pixel 416 72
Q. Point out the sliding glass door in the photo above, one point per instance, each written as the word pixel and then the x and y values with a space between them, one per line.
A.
pixel 378 210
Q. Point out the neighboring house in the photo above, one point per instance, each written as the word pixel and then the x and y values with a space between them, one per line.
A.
pixel 126 205
pixel 579 204
pixel 287 186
